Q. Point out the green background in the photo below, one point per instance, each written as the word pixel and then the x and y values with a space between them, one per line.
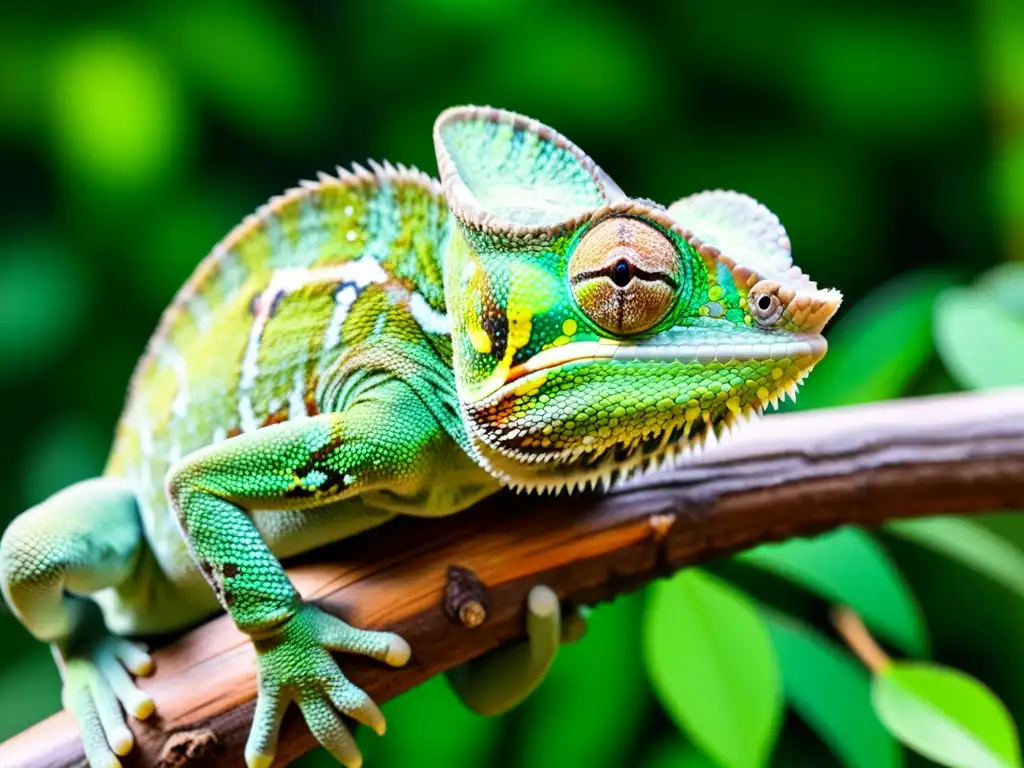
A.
pixel 889 138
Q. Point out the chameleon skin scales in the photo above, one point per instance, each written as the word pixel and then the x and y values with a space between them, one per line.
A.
pixel 378 343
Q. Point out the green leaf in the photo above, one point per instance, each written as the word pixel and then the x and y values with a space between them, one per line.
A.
pixel 968 543
pixel 867 360
pixel 253 63
pixel 710 660
pixel 119 116
pixel 63 450
pixel 673 754
pixel 39 315
pixel 831 692
pixel 848 566
pixel 1005 284
pixel 583 687
pixel 32 674
pixel 979 331
pixel 919 90
pixel 945 715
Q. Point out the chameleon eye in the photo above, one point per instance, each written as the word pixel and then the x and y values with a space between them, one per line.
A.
pixel 764 303
pixel 624 275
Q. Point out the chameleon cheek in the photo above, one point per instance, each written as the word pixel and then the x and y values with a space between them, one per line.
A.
pixel 625 275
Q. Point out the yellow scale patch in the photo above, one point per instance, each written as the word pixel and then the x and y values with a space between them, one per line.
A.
pixel 342 209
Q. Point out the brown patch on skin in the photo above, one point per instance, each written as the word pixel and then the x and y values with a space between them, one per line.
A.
pixel 229 570
pixel 215 583
pixel 320 454
pixel 281 414
pixel 229 598
pixel 334 484
pixel 493 319
pixel 312 409
pixel 495 325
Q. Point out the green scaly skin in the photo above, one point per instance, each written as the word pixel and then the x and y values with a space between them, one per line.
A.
pixel 376 344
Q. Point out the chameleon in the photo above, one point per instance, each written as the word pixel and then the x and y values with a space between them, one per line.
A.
pixel 379 343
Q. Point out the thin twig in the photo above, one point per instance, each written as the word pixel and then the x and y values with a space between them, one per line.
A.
pixel 856 635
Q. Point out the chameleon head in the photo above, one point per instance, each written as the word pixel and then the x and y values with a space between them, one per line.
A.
pixel 594 333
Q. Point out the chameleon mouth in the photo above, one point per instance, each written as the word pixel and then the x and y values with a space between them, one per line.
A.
pixel 794 348
pixel 520 451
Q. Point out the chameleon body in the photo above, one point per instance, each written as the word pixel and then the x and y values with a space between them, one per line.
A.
pixel 379 343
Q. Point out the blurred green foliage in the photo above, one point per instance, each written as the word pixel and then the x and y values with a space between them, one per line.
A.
pixel 888 138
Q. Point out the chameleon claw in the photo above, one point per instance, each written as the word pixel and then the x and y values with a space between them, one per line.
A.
pixel 399 652
pixel 258 759
pixel 542 601
pixel 121 742
pixel 141 708
pixel 135 657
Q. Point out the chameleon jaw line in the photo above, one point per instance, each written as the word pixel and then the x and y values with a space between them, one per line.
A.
pixel 802 346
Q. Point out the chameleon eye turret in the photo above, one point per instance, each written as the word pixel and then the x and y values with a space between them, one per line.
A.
pixel 625 275
pixel 766 304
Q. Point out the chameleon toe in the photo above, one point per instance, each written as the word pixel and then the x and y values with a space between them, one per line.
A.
pixel 121 742
pixel 142 708
pixel 258 759
pixel 135 658
pixel 542 601
pixel 399 652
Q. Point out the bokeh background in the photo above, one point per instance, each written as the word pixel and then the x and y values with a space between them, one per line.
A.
pixel 888 137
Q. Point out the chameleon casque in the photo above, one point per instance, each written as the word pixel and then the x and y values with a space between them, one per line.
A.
pixel 377 344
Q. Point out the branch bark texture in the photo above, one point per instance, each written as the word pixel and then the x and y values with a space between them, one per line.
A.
pixel 782 476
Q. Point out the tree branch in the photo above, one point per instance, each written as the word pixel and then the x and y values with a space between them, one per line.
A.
pixel 783 476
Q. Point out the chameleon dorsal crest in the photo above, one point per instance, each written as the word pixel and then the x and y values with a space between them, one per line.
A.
pixel 594 333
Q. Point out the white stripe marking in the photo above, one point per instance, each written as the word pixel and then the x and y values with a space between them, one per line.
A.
pixel 171 357
pixel 361 273
pixel 428 318
pixel 343 301
pixel 297 397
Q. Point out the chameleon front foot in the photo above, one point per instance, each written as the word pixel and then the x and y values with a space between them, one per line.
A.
pixel 96 679
pixel 294 664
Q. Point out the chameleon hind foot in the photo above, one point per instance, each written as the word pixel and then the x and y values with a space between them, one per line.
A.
pixel 294 664
pixel 502 679
pixel 97 684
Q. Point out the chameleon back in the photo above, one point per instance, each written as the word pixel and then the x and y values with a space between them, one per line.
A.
pixel 303 282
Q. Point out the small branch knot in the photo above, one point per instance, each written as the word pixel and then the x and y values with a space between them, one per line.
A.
pixel 661 525
pixel 465 597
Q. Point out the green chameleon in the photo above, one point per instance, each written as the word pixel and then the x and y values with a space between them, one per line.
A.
pixel 377 344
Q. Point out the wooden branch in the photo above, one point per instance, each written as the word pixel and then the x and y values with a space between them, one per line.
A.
pixel 785 475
